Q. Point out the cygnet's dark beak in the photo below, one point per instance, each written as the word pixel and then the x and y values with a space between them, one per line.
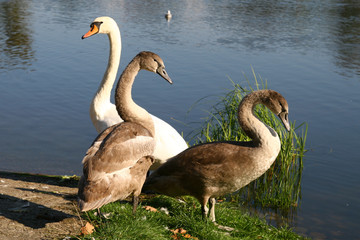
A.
pixel 161 71
pixel 285 120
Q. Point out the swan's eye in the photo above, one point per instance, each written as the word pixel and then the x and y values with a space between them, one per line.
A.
pixel 96 24
pixel 159 64
pixel 282 107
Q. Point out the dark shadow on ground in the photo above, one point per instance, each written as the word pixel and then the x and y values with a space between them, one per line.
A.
pixel 70 197
pixel 28 213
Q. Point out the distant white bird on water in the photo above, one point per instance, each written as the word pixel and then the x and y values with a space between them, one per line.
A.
pixel 168 15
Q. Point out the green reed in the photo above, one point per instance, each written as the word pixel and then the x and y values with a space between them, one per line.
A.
pixel 279 187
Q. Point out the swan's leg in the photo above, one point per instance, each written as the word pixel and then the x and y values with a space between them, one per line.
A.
pixel 135 202
pixel 212 202
pixel 149 172
pixel 99 212
pixel 204 208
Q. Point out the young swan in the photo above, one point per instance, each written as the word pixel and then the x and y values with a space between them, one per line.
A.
pixel 213 169
pixel 116 164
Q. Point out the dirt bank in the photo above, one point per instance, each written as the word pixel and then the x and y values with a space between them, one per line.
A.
pixel 37 207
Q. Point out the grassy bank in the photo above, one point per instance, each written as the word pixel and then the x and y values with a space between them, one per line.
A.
pixel 179 219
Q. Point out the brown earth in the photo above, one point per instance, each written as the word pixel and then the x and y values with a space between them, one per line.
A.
pixel 38 207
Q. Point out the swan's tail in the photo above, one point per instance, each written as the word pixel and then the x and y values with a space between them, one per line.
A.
pixel 106 188
pixel 87 206
pixel 93 195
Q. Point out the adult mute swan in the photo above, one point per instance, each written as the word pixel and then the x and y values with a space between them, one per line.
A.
pixel 116 164
pixel 213 169
pixel 103 113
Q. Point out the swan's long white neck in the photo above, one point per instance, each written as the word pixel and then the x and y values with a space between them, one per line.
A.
pixel 103 93
pixel 128 110
pixel 264 137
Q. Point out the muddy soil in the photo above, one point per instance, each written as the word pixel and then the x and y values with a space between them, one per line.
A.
pixel 38 207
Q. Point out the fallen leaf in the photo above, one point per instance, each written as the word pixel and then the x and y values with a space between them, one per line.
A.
pixel 189 236
pixel 87 229
pixel 176 237
pixel 149 208
pixel 176 232
pixel 180 232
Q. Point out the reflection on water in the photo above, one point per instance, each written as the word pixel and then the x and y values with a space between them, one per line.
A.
pixel 299 25
pixel 16 35
pixel 259 25
pixel 275 217
pixel 347 39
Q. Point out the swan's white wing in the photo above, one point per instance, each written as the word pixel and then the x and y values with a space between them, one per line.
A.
pixel 104 116
pixel 168 142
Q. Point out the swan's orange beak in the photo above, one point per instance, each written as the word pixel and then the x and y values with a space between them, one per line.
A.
pixel 93 30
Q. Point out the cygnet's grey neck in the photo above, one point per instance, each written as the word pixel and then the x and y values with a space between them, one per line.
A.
pixel 128 110
pixel 260 133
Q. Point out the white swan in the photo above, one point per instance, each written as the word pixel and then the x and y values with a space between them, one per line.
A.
pixel 116 164
pixel 214 169
pixel 103 113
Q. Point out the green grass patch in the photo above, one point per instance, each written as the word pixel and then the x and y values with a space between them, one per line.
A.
pixel 280 186
pixel 185 214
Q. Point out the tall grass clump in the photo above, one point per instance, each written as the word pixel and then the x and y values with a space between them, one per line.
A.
pixel 279 187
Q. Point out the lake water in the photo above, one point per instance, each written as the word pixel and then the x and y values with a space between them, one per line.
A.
pixel 307 50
